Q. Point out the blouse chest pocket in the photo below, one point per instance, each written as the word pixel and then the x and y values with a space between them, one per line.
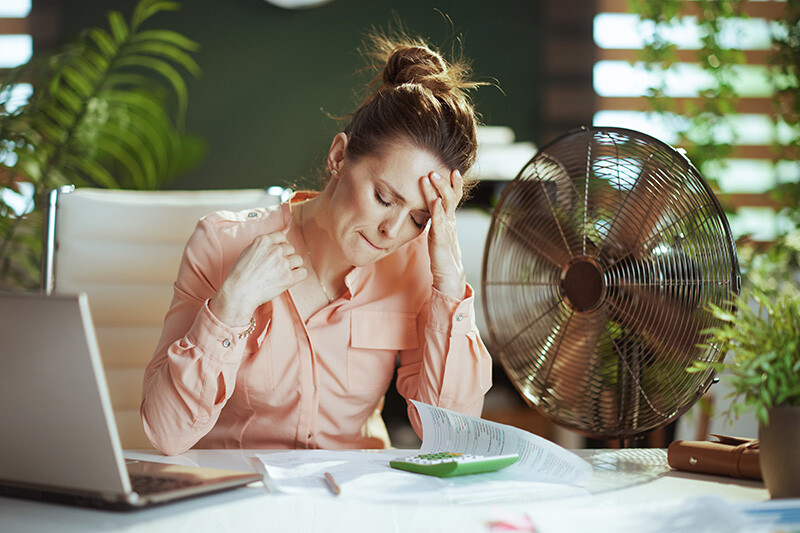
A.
pixel 375 339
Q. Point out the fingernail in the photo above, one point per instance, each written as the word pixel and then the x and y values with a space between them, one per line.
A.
pixel 436 176
pixel 427 180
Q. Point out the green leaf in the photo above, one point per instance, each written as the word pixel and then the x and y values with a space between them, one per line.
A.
pixel 69 99
pixel 96 173
pixel 104 43
pixel 99 115
pixel 78 83
pixel 118 27
pixel 166 71
pixel 113 148
pixel 139 151
pixel 167 36
pixel 153 136
pixel 138 100
pixel 30 169
pixel 51 131
pixel 128 80
pixel 147 8
pixel 63 119
pixel 168 51
pixel 98 62
pixel 86 69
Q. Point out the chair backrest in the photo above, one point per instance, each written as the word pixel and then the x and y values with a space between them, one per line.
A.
pixel 123 249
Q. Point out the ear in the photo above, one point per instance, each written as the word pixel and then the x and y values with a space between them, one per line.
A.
pixel 337 153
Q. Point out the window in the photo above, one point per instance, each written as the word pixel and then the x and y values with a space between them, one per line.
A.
pixel 621 81
pixel 16 48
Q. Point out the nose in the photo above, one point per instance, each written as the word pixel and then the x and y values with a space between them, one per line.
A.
pixel 391 224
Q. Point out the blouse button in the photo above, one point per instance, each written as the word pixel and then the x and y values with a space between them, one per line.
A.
pixel 252 214
pixel 460 317
pixel 226 343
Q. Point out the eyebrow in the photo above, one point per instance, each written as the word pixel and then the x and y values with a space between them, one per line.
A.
pixel 394 192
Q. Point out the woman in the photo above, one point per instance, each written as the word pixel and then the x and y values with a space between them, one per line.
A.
pixel 287 323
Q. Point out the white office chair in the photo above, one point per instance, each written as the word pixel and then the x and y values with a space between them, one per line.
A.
pixel 123 249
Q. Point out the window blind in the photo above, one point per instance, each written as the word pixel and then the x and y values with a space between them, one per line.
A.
pixel 755 165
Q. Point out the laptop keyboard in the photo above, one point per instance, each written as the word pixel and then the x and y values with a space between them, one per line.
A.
pixel 143 484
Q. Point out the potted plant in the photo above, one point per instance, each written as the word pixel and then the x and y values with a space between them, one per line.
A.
pixel 106 111
pixel 763 368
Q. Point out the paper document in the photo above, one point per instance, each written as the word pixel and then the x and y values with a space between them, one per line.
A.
pixel 539 459
pixel 544 470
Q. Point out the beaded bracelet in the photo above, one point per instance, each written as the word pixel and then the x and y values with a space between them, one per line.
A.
pixel 249 329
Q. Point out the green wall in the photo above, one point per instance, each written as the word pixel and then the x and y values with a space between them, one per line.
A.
pixel 271 76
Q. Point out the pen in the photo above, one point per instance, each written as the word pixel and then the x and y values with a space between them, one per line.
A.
pixel 332 485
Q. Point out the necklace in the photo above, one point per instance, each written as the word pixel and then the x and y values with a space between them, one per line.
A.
pixel 308 252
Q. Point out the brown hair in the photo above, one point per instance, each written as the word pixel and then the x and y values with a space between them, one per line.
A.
pixel 420 98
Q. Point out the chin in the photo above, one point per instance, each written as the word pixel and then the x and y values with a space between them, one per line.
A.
pixel 364 259
pixel 360 252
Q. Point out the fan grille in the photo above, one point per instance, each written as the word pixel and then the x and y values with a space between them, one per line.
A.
pixel 602 257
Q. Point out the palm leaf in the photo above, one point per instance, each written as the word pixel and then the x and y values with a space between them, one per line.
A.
pixel 103 41
pixel 116 149
pixel 99 116
pixel 163 69
pixel 118 27
pixel 147 8
pixel 166 50
pixel 167 36
pixel 95 174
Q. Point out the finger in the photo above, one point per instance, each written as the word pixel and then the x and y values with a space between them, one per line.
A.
pixel 277 237
pixel 457 182
pixel 438 218
pixel 297 275
pixel 295 261
pixel 445 190
pixel 428 192
pixel 287 249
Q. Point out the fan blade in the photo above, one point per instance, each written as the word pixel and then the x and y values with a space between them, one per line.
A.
pixel 667 323
pixel 525 309
pixel 540 235
pixel 650 199
pixel 540 208
pixel 572 356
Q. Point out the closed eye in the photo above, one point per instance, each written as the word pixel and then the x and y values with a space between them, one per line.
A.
pixel 381 199
pixel 386 203
pixel 418 224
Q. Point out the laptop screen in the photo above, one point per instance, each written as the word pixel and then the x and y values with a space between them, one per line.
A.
pixel 58 426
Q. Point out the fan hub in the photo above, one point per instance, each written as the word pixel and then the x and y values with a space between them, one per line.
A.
pixel 582 284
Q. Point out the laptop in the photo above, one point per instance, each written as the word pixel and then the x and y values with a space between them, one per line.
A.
pixel 58 438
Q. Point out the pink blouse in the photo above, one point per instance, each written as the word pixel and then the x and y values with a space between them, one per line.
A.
pixel 291 384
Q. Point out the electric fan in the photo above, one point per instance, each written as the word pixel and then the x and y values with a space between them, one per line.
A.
pixel 601 259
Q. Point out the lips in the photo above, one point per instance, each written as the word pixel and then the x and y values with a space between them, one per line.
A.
pixel 377 248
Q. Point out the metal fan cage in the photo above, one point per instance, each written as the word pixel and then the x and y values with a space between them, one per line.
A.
pixel 602 258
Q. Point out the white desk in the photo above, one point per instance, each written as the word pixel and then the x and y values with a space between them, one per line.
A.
pixel 253 509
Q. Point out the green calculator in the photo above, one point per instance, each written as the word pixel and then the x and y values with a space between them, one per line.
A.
pixel 448 464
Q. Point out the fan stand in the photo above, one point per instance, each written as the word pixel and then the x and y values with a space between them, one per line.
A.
pixel 583 287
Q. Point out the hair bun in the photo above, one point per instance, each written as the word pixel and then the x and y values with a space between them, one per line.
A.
pixel 417 64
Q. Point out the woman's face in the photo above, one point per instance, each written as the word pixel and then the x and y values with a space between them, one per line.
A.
pixel 377 204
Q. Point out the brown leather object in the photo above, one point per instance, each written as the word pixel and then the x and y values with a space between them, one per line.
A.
pixel 728 456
